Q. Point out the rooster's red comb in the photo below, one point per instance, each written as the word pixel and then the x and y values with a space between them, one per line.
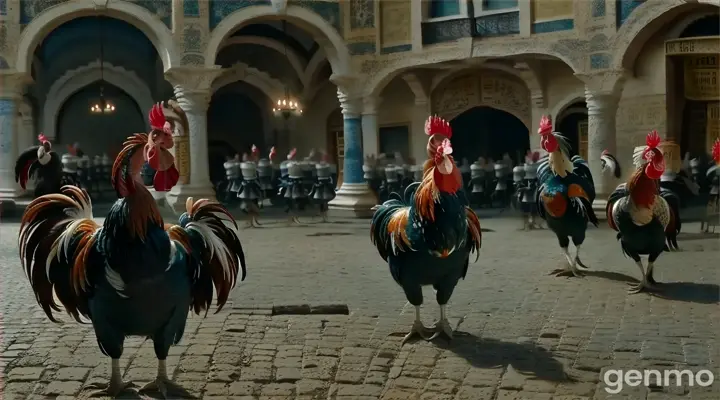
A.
pixel 42 138
pixel 292 153
pixel 157 117
pixel 652 140
pixel 437 126
pixel 545 126
pixel 716 150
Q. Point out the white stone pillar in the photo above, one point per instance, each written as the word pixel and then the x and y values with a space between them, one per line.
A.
pixel 370 130
pixel 192 90
pixel 11 87
pixel 354 195
pixel 418 139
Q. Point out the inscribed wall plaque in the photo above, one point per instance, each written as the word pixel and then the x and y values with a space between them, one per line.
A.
pixel 545 10
pixel 395 20
pixel 701 77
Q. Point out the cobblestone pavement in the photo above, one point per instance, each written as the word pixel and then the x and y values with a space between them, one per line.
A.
pixel 522 334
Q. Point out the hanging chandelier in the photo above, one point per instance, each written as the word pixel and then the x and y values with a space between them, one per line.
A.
pixel 102 106
pixel 286 107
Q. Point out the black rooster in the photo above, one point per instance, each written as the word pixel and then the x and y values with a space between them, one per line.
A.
pixel 41 164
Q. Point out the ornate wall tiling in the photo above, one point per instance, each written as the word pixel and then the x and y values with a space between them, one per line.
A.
pixel 329 11
pixel 161 8
pixel 192 39
pixel 30 9
pixel 600 61
pixel 498 24
pixel 362 14
pixel 396 49
pixel 553 26
pixel 598 8
pixel 598 42
pixel 220 9
pixel 624 8
pixel 192 59
pixel 360 48
pixel 446 31
pixel 191 8
pixel 3 64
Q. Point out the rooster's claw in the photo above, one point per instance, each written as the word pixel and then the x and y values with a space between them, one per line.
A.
pixel 109 390
pixel 566 272
pixel 442 328
pixel 167 388
pixel 639 287
pixel 420 330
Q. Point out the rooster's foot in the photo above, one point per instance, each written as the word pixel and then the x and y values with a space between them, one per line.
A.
pixel 111 389
pixel 167 388
pixel 568 272
pixel 442 328
pixel 643 286
pixel 579 265
pixel 418 329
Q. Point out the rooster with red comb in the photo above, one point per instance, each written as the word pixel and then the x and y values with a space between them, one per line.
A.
pixel 565 195
pixel 427 237
pixel 713 176
pixel 41 164
pixel 645 215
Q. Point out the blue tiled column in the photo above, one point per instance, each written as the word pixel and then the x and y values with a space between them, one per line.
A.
pixel 354 194
pixel 8 148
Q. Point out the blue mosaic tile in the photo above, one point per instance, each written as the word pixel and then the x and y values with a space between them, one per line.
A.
pixel 553 26
pixel 598 8
pixel 161 8
pixel 599 61
pixel 352 171
pixel 29 9
pixel 624 8
pixel 498 24
pixel 220 9
pixel 362 14
pixel 360 48
pixel 329 11
pixel 446 31
pixel 396 49
pixel 191 8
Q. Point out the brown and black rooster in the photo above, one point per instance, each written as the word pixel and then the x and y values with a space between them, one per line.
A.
pixel 43 165
pixel 134 275
pixel 646 216
pixel 427 238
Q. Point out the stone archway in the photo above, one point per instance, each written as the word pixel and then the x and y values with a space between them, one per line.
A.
pixel 325 34
pixel 74 80
pixel 33 34
pixel 275 45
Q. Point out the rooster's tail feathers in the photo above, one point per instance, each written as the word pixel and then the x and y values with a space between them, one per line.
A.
pixel 23 170
pixel 474 231
pixel 57 235
pixel 387 230
pixel 673 227
pixel 214 249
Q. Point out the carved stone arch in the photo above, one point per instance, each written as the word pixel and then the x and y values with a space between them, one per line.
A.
pixel 74 80
pixel 293 58
pixel 313 66
pixel 466 91
pixel 272 87
pixel 527 75
pixel 565 103
pixel 148 23
pixel 645 21
pixel 322 31
pixel 678 27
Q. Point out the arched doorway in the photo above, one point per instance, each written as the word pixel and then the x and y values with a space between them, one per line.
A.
pixel 98 133
pixel 488 132
pixel 572 123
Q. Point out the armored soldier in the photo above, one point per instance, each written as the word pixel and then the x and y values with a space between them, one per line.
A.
pixel 501 190
pixel 265 173
pixel 233 178
pixel 296 196
pixel 250 193
pixel 477 182
pixel 324 189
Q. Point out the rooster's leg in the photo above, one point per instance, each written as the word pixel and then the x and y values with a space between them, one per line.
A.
pixel 644 283
pixel 442 327
pixel 166 387
pixel 418 329
pixel 577 264
pixel 115 386
pixel 650 278
pixel 570 269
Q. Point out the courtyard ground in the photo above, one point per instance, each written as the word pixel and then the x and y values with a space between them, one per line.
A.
pixel 319 317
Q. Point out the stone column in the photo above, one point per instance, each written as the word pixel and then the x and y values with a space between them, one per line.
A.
pixel 11 87
pixel 192 90
pixel 602 94
pixel 370 130
pixel 354 194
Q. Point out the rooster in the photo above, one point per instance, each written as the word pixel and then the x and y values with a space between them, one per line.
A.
pixel 645 215
pixel 565 196
pixel 427 238
pixel 134 275
pixel 43 165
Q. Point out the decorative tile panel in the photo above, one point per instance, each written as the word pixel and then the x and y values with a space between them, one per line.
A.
pixel 361 48
pixel 161 8
pixel 29 9
pixel 191 8
pixel 624 8
pixel 498 24
pixel 362 14
pixel 553 26
pixel 446 31
pixel 598 8
pixel 220 9
pixel 396 49
pixel 599 61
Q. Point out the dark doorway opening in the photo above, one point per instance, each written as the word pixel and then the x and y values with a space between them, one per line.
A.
pixel 490 133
